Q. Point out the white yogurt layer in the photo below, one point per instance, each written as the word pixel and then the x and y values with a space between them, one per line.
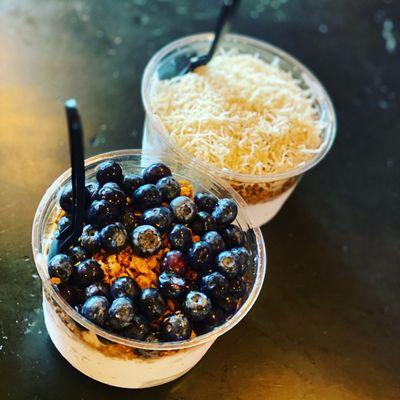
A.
pixel 261 213
pixel 134 372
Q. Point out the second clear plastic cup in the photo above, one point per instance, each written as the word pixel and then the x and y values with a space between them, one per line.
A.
pixel 264 194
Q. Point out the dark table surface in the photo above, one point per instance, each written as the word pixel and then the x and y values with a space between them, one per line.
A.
pixel 327 323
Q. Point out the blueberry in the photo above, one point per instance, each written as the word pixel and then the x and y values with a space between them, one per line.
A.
pixel 190 285
pixel 197 305
pixel 87 272
pixel 225 212
pixel 228 304
pixel 60 266
pixel 183 208
pixel 112 185
pixel 204 272
pixel 101 213
pixel 152 337
pixel 200 255
pixel 214 285
pixel 202 222
pixel 98 289
pixel 113 195
pixel 205 201
pixel 66 199
pixel 77 254
pixel 125 287
pixel 129 220
pixel 146 240
pixel 146 196
pixel 92 188
pixel 121 313
pixel 138 329
pixel 131 183
pixel 159 217
pixel 237 287
pixel 174 261
pixel 180 238
pixel 152 303
pixel 171 285
pixel 90 239
pixel 109 171
pixel 64 223
pixel 95 309
pixel 228 263
pixel 68 293
pixel 169 188
pixel 214 318
pixel 214 239
pixel 233 236
pixel 114 237
pixel 244 257
pixel 176 327
pixel 155 172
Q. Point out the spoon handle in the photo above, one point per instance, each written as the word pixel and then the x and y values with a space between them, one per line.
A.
pixel 78 172
pixel 227 9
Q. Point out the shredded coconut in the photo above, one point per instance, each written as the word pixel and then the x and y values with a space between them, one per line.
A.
pixel 241 114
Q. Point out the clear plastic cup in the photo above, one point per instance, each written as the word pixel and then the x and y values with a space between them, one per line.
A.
pixel 265 194
pixel 110 358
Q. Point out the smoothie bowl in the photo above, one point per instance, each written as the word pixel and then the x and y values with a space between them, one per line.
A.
pixel 167 262
pixel 254 116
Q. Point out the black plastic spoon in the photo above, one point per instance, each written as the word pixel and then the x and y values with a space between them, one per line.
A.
pixel 71 233
pixel 186 63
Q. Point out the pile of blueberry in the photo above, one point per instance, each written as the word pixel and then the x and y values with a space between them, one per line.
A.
pixel 204 280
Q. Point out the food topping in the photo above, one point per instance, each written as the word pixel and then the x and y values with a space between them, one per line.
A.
pixel 151 263
pixel 241 114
